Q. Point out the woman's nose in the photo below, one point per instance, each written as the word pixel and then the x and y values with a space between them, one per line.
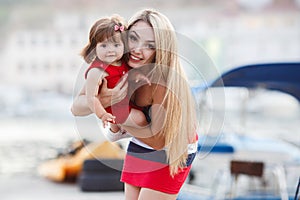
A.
pixel 137 48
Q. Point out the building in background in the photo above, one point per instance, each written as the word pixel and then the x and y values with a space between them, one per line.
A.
pixel 233 33
pixel 45 59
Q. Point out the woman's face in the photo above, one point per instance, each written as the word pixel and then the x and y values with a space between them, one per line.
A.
pixel 141 43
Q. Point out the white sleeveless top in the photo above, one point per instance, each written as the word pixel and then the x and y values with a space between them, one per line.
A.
pixel 192 148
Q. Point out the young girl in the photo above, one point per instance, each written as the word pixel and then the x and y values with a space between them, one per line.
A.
pixel 105 52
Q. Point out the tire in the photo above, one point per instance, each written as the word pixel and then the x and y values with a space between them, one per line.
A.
pixel 101 175
pixel 102 165
pixel 100 182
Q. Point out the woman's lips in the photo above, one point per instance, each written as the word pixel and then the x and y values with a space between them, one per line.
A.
pixel 135 58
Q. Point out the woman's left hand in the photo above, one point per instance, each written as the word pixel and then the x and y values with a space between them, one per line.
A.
pixel 109 97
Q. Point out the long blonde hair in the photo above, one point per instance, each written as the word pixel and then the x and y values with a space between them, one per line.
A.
pixel 180 123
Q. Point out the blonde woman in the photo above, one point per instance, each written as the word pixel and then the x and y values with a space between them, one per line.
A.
pixel 159 155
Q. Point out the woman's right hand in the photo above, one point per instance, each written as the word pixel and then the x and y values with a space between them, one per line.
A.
pixel 109 97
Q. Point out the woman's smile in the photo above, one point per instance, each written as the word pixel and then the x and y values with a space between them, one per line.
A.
pixel 135 58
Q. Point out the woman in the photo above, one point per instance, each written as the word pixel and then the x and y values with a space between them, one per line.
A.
pixel 159 155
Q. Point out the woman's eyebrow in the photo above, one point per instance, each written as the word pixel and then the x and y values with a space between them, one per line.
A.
pixel 135 33
pixel 150 41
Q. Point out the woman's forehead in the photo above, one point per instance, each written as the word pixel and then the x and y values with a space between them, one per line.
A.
pixel 143 30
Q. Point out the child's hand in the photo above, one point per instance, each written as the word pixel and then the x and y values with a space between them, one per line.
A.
pixel 142 77
pixel 106 118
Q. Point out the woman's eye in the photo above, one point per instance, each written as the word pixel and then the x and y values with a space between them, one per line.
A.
pixel 132 38
pixel 150 46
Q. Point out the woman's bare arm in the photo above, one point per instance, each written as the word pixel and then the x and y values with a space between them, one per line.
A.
pixel 151 134
pixel 112 96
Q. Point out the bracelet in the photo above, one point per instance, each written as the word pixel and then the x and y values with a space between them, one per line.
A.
pixel 118 132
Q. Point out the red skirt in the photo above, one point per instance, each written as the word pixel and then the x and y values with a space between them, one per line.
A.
pixel 148 168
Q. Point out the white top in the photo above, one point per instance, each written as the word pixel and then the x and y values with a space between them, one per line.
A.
pixel 111 136
pixel 192 148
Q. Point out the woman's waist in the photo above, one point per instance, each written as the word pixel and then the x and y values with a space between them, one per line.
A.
pixel 191 148
pixel 136 152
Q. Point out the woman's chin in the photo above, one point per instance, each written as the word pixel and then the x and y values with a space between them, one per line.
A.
pixel 135 64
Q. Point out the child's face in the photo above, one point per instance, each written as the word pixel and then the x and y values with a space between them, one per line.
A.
pixel 110 51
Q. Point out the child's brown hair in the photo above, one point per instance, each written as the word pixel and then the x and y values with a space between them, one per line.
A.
pixel 104 29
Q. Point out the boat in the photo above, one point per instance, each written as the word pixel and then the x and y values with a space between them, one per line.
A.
pixel 243 164
pixel 69 165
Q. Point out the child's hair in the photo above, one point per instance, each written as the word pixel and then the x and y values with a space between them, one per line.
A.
pixel 104 29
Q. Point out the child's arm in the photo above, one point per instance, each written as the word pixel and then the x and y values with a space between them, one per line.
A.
pixel 107 96
pixel 80 106
pixel 93 81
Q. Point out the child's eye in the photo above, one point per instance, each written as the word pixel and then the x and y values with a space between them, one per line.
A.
pixel 103 45
pixel 117 45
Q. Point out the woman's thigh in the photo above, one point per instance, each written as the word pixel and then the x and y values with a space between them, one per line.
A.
pixel 148 194
pixel 131 192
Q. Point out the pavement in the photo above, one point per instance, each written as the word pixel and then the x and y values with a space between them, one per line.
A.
pixel 32 187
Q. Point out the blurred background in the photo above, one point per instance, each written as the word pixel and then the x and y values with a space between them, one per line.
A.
pixel 40 62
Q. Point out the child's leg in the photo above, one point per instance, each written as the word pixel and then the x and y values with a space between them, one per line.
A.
pixel 136 118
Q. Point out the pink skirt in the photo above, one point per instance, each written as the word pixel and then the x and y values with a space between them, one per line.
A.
pixel 148 168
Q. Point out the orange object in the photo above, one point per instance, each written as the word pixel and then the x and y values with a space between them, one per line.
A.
pixel 68 167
